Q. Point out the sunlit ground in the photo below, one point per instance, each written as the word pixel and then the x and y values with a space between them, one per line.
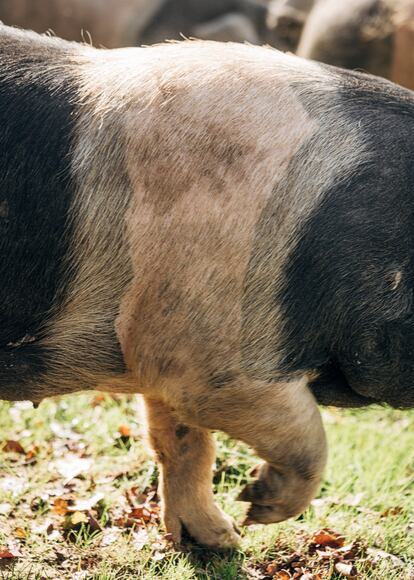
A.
pixel 78 500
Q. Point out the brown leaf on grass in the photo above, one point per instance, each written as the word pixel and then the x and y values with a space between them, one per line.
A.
pixel 76 518
pixel 392 511
pixel 5 554
pixel 343 557
pixel 346 570
pixel 124 430
pixel 12 446
pixel 293 567
pixel 9 553
pixel 351 551
pixel 325 549
pixel 32 453
pixel 98 399
pixel 327 538
pixel 282 575
pixel 20 533
pixel 144 514
pixel 272 569
pixel 93 523
pixel 146 496
pixel 141 513
pixel 60 506
pixel 124 439
pixel 346 552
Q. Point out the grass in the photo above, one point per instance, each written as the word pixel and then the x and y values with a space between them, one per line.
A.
pixel 89 447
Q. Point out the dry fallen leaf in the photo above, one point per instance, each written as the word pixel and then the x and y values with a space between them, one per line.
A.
pixel 98 400
pixel 78 518
pixel 392 511
pixel 326 549
pixel 140 513
pixel 144 514
pixel 124 430
pixel 60 506
pixel 350 551
pixel 8 553
pixel 20 533
pixel 13 447
pixel 32 452
pixel 5 553
pixel 75 520
pixel 281 575
pixel 93 523
pixel 271 569
pixel 327 538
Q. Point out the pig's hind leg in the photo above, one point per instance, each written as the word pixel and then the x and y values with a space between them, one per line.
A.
pixel 282 423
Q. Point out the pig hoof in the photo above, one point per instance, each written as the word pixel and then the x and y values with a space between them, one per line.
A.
pixel 265 514
pixel 211 529
pixel 266 489
pixel 275 497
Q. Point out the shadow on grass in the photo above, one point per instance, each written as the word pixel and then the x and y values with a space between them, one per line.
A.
pixel 210 564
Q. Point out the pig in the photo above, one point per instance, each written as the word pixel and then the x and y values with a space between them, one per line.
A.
pixel 121 23
pixel 112 23
pixel 286 19
pixel 191 18
pixel 222 228
pixel 376 36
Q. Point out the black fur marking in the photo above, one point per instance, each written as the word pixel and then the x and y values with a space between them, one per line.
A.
pixel 331 387
pixel 181 431
pixel 37 120
pixel 350 280
pixel 345 294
